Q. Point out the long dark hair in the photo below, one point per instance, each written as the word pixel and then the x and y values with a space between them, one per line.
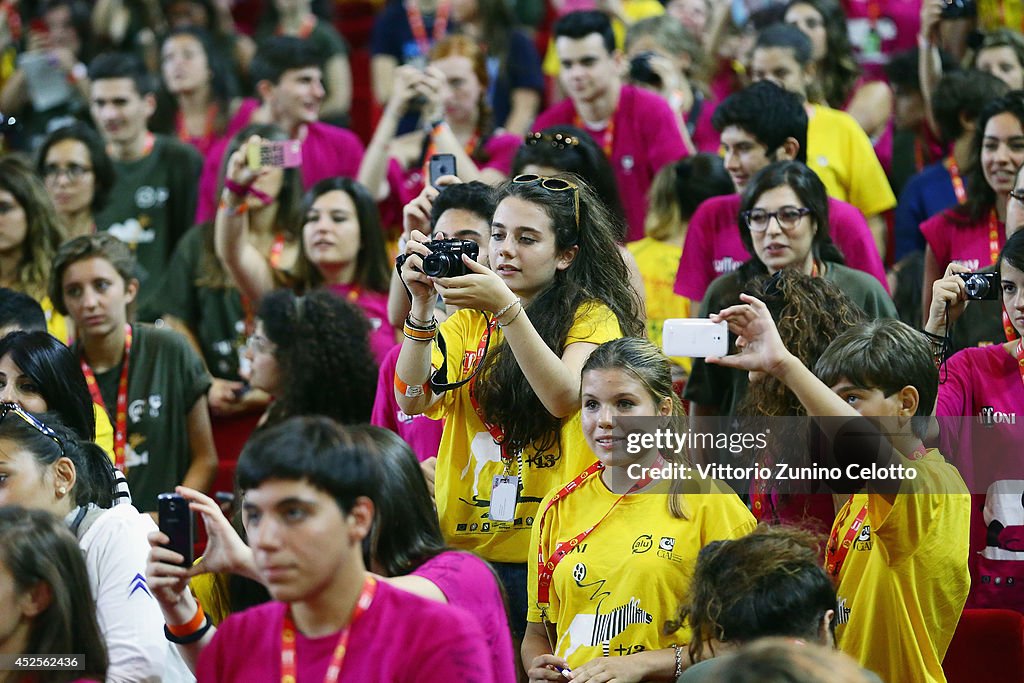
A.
pixel 94 480
pixel 597 276
pixel 1013 252
pixel 323 352
pixel 223 87
pixel 102 167
pixel 36 548
pixel 44 232
pixel 373 272
pixel 838 71
pixel 809 190
pixel 57 374
pixel 980 195
pixel 571 150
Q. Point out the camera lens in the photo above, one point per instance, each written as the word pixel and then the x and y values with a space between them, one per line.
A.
pixel 439 264
pixel 976 286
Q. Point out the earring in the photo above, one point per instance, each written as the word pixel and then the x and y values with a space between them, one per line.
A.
pixel 62 490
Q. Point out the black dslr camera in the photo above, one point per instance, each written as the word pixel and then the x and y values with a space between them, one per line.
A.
pixel 445 257
pixel 980 286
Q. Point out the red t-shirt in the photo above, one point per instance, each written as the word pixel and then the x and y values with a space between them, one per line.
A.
pixel 419 431
pixel 954 239
pixel 645 137
pixel 713 246
pixel 400 638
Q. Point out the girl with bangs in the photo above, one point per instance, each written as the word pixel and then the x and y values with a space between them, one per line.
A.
pixel 505 374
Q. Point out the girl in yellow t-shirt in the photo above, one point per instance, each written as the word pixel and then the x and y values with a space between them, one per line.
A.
pixel 616 547
pixel 556 289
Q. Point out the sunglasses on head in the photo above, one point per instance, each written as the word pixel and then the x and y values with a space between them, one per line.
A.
pixel 15 409
pixel 553 185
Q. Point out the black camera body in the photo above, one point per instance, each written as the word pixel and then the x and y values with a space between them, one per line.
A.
pixel 445 257
pixel 960 9
pixel 981 286
pixel 640 70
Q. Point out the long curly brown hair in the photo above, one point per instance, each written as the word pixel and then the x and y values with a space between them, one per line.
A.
pixel 810 312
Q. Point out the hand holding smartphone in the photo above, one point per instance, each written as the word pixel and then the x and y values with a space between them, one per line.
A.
pixel 695 338
pixel 176 521
pixel 441 165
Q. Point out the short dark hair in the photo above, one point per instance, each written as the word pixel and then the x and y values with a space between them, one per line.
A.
pixel 769 113
pixel 579 25
pixel 316 450
pixel 768 583
pixel 111 65
pixel 99 245
pixel 19 310
pixel 698 178
pixel 58 377
pixel 786 37
pixel 963 94
pixel 476 197
pixel 102 167
pixel 888 355
pixel 808 188
pixel 277 54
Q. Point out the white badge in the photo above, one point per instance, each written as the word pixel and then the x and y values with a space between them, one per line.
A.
pixel 504 494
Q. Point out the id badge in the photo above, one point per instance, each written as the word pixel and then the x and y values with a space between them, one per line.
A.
pixel 504 495
pixel 872 44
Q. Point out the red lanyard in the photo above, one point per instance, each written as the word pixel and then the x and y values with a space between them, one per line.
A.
pixel 1020 358
pixel 496 432
pixel 546 567
pixel 835 554
pixel 993 237
pixel 289 668
pixel 607 139
pixel 419 31
pixel 958 182
pixel 276 249
pixel 121 420
pixel 211 117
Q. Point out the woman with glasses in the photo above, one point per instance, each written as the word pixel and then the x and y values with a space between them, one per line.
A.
pixel 604 615
pixel 30 233
pixel 505 375
pixel 150 381
pixel 312 354
pixel 78 174
pixel 46 467
pixel 972 233
pixel 47 612
pixel 784 224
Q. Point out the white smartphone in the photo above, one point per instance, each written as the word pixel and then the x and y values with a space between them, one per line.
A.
pixel 695 337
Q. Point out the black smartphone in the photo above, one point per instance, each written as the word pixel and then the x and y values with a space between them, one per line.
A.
pixel 176 521
pixel 441 165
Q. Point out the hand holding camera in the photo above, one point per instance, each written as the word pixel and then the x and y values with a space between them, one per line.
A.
pixel 950 297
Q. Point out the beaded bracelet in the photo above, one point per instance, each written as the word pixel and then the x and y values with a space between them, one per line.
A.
pixel 679 659
pixel 503 325
pixel 507 308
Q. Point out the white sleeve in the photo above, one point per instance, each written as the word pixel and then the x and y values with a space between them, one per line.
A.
pixel 129 617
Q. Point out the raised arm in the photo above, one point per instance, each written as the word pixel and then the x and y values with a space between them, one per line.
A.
pixel 373 169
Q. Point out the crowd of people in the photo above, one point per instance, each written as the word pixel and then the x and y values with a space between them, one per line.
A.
pixel 410 406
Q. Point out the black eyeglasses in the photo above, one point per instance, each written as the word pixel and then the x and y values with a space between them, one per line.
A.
pixel 73 172
pixel 553 185
pixel 558 140
pixel 788 217
pixel 1018 195
pixel 9 408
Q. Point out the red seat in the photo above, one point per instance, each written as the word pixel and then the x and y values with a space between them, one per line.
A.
pixel 988 647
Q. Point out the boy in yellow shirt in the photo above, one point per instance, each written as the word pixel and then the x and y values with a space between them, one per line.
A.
pixel 898 548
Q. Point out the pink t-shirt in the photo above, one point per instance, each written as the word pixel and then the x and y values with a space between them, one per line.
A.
pixel 705 137
pixel 375 307
pixel 402 638
pixel 897 26
pixel 472 586
pixel 645 137
pixel 959 240
pixel 713 246
pixel 327 152
pixel 419 431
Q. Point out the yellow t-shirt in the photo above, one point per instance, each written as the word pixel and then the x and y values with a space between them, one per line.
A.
pixel 56 324
pixel 905 579
pixel 658 262
pixel 104 430
pixel 468 459
pixel 615 592
pixel 839 151
pixel 635 10
pixel 993 14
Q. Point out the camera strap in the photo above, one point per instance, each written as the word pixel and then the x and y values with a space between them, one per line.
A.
pixel 439 379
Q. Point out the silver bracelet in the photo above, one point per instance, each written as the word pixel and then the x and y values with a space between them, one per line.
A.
pixel 506 309
pixel 679 659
